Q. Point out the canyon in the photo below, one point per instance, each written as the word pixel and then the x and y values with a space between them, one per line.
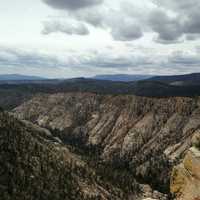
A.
pixel 128 140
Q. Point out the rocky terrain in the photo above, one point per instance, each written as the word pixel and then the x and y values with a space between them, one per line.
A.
pixel 185 180
pixel 125 138
pixel 36 165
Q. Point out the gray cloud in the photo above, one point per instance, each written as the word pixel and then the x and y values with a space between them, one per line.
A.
pixel 169 30
pixel 121 27
pixel 177 62
pixel 192 23
pixel 21 58
pixel 185 20
pixel 93 59
pixel 119 62
pixel 181 5
pixel 192 37
pixel 172 21
pixel 72 4
pixel 70 28
pixel 184 59
pixel 81 63
pixel 126 32
pixel 94 17
pixel 93 62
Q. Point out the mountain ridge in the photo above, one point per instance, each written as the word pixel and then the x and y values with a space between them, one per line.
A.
pixel 18 77
pixel 185 79
pixel 122 77
pixel 15 93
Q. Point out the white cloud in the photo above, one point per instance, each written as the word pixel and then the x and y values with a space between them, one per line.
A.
pixel 70 27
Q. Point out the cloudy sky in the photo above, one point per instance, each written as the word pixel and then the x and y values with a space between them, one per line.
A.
pixel 69 38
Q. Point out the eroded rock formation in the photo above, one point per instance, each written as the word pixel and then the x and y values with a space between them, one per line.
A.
pixel 145 136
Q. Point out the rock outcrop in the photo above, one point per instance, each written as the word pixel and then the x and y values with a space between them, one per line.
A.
pixel 145 136
pixel 185 181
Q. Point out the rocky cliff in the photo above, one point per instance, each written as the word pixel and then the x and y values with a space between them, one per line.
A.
pixel 145 137
pixel 185 181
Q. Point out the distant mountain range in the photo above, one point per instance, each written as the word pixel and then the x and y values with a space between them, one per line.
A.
pixel 18 77
pixel 179 80
pixel 114 77
pixel 122 77
pixel 15 92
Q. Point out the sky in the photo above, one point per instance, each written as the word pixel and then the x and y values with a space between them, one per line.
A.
pixel 76 38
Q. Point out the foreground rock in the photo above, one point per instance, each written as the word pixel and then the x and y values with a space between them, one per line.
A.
pixel 185 181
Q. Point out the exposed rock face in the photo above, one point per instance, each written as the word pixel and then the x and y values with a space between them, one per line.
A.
pixel 34 165
pixel 149 194
pixel 185 181
pixel 145 135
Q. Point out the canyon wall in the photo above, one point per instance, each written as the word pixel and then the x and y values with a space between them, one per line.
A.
pixel 146 136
